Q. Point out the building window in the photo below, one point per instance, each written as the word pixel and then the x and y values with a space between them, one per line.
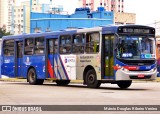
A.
pixel 109 14
pixel 37 29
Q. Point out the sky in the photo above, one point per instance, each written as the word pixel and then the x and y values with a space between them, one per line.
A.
pixel 147 11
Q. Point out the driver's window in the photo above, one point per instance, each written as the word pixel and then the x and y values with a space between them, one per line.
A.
pixel 146 45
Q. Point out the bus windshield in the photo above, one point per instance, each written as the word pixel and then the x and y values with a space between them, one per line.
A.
pixel 136 47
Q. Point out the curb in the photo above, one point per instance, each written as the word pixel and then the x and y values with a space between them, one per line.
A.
pixel 73 81
pixel 13 80
pixel 25 80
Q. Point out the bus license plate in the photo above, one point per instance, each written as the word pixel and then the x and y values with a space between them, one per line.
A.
pixel 140 75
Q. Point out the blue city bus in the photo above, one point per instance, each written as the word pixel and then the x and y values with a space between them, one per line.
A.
pixel 105 54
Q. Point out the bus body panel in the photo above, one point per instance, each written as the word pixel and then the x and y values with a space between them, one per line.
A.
pixel 37 62
pixel 83 61
pixel 68 66
pixel 51 63
pixel 8 66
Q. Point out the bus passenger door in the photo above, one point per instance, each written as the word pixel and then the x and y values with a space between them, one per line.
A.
pixel 51 57
pixel 18 59
pixel 107 57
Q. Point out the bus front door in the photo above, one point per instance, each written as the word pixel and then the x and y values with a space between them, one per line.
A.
pixel 51 57
pixel 18 59
pixel 108 58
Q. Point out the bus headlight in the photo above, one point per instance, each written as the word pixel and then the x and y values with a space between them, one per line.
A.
pixel 152 70
pixel 126 70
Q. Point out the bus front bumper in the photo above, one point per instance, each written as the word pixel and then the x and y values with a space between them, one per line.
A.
pixel 122 74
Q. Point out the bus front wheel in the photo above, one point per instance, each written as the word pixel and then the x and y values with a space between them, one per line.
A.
pixel 91 79
pixel 124 84
pixel 32 77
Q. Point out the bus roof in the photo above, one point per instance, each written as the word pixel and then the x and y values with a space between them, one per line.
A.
pixel 104 29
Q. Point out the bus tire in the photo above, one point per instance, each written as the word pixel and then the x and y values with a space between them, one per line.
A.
pixel 62 82
pixel 124 84
pixel 91 79
pixel 32 77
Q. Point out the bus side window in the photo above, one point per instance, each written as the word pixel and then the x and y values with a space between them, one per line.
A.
pixel 39 45
pixel 78 43
pixel 8 48
pixel 29 46
pixel 65 44
pixel 92 42
pixel 53 46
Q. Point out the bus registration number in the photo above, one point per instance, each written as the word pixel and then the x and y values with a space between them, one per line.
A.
pixel 140 75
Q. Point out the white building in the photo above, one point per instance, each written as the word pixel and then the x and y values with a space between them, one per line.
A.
pixel 21 16
pixel 6 9
pixel 156 25
pixel 109 5
pixel 3 14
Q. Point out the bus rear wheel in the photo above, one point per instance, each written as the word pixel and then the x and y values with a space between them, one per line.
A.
pixel 124 84
pixel 62 82
pixel 32 77
pixel 91 79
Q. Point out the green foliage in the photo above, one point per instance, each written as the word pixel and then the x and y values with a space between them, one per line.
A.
pixel 4 33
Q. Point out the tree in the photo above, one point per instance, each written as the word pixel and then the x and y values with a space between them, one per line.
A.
pixel 4 33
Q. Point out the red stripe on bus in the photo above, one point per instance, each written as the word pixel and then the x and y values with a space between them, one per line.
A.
pixel 50 70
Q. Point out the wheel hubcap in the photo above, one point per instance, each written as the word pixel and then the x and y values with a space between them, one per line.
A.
pixel 91 78
pixel 31 76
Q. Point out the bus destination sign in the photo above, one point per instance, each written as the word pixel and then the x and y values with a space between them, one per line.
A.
pixel 136 30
